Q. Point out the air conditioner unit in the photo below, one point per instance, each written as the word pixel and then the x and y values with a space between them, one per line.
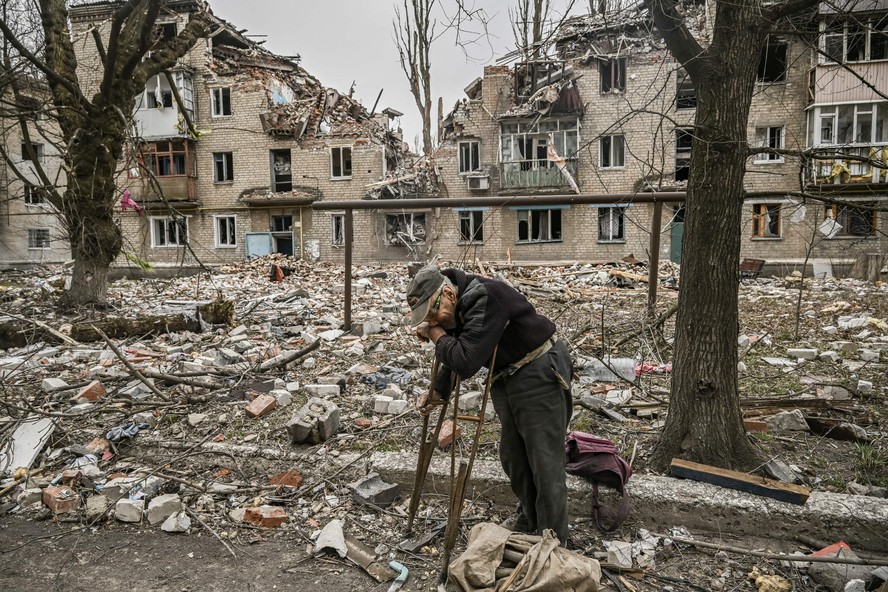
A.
pixel 478 183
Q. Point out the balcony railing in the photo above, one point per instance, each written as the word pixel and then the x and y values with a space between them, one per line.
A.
pixel 848 166
pixel 535 174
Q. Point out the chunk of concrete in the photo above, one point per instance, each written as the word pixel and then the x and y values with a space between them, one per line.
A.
pixel 802 352
pixel 836 393
pixel 29 496
pixel 373 490
pixel 470 400
pixel 162 507
pixel 26 442
pixel 96 507
pixel 195 419
pixel 868 355
pixel 282 396
pixel 781 471
pixel 322 390
pixel 394 391
pixel 317 421
pixel 611 369
pixel 178 522
pixel 51 385
pixel 127 510
pixel 828 356
pixel 397 407
pixel 787 421
pixel 848 347
pixel 620 553
pixel 864 387
pixel 381 403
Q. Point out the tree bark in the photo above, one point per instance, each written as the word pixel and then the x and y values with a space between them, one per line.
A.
pixel 704 423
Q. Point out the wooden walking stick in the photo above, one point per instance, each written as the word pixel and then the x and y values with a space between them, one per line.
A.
pixel 460 483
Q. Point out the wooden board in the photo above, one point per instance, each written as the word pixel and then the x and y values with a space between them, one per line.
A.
pixel 786 492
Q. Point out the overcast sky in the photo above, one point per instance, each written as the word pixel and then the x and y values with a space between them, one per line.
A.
pixel 345 41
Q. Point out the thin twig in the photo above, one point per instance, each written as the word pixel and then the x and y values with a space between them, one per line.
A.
pixel 129 366
pixel 213 532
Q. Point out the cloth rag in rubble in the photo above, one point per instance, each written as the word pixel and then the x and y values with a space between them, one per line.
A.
pixel 546 567
pixel 128 430
pixel 597 461
pixel 388 375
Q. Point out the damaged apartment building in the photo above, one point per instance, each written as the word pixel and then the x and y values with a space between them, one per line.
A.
pixel 232 146
pixel 610 111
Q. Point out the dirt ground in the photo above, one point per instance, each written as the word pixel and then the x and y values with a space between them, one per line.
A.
pixel 37 551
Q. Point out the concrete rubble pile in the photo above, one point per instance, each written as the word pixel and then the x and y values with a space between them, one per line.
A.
pixel 272 422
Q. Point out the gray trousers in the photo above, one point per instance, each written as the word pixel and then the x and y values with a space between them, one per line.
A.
pixel 534 409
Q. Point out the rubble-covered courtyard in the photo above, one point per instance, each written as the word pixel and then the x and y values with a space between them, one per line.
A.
pixel 217 457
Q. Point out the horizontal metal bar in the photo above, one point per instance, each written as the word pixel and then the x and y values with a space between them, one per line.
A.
pixel 499 200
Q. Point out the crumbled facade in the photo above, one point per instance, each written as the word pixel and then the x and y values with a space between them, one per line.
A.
pixel 617 110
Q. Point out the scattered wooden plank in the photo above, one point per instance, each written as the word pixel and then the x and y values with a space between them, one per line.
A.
pixel 786 492
pixel 751 425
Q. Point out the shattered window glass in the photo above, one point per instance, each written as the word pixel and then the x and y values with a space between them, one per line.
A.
pixel 225 231
pixel 684 141
pixel 539 225
pixel 405 229
pixel 337 222
pixel 223 167
pixel 854 220
pixel 281 171
pixel 766 221
pixel 167 232
pixel 613 75
pixel 471 226
pixel 469 157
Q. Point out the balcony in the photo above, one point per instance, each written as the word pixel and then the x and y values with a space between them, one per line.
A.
pixel 157 112
pixel 535 174
pixel 847 166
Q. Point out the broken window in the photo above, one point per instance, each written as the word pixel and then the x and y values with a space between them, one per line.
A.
pixel 337 225
pixel 685 93
pixel 769 137
pixel 861 123
pixel 856 40
pixel 34 196
pixel 223 167
pixel 226 227
pixel 160 99
pixel 524 147
pixel 38 238
pixel 405 229
pixel 612 151
pixel 684 140
pixel 168 232
pixel 282 223
pixel 469 156
pixel 613 75
pixel 168 159
pixel 539 225
pixel 766 221
pixel 610 224
pixel 878 38
pixel 220 102
pixel 38 152
pixel 471 226
pixel 854 220
pixel 281 171
pixel 341 162
pixel 772 63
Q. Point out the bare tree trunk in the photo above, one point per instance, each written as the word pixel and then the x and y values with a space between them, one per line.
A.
pixel 704 423
pixel 414 33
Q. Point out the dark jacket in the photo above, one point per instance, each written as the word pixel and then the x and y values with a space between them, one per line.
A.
pixel 488 313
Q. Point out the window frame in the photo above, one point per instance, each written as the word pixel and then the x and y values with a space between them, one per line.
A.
pixel 762 218
pixel 473 155
pixel 286 179
pixel 513 134
pixel 529 214
pixel 404 215
pixel 475 219
pixel 227 170
pixel 337 222
pixel 684 154
pixel 610 140
pixel 218 103
pixel 38 151
pixel 285 221
pixel 35 243
pixel 614 213
pixel 34 196
pixel 773 45
pixel 839 211
pixel 340 150
pixel 168 222
pixel 871 29
pixel 612 76
pixel 766 157
pixel 231 231
pixel 152 155
pixel 685 91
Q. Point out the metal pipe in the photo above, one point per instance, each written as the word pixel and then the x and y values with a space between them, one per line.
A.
pixel 500 200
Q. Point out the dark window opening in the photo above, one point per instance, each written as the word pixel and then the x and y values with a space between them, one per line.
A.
pixel 223 167
pixel 612 152
pixel 854 221
pixel 469 157
pixel 684 141
pixel 282 223
pixel 613 75
pixel 772 63
pixel 766 221
pixel 685 93
pixel 341 160
pixel 221 102
pixel 471 226
pixel 168 159
pixel 38 152
pixel 539 226
pixel 338 227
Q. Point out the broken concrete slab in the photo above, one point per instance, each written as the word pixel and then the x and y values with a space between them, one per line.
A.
pixel 322 390
pixel 128 510
pixel 610 369
pixel 96 507
pixel 787 421
pixel 802 353
pixel 373 490
pixel 162 507
pixel 317 421
pixel 178 522
pixel 27 441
